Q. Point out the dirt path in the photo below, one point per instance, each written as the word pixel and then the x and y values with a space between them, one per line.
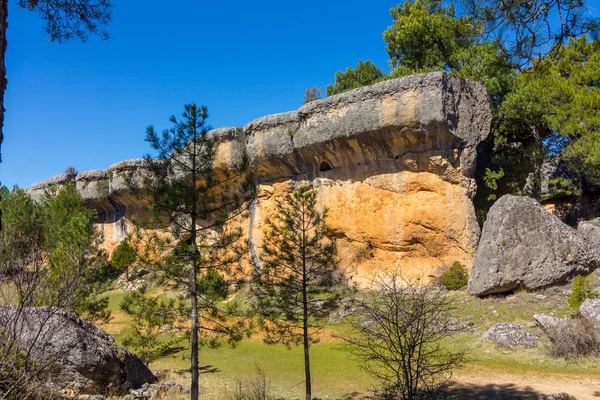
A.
pixel 493 384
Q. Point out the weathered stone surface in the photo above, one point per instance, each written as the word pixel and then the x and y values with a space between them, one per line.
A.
pixel 591 230
pixel 557 396
pixel 393 162
pixel 156 391
pixel 550 324
pixel 510 336
pixel 590 310
pixel 86 358
pixel 522 245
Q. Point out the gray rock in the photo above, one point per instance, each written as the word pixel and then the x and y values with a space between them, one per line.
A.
pixel 86 359
pixel 510 336
pixel 156 391
pixel 551 324
pixel 591 230
pixel 590 310
pixel 557 396
pixel 524 246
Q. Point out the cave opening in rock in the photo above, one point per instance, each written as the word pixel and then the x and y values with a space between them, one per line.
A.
pixel 325 166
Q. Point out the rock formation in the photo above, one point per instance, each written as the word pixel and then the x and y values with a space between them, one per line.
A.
pixel 84 359
pixel 590 310
pixel 394 163
pixel 524 246
pixel 511 336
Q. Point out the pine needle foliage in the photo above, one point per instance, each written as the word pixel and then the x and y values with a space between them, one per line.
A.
pixel 200 207
pixel 298 283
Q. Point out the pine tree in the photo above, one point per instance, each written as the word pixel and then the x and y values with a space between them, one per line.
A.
pixel 298 283
pixel 200 204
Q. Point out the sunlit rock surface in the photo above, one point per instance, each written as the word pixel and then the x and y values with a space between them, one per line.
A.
pixel 393 162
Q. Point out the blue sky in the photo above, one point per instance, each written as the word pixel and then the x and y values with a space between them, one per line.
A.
pixel 88 105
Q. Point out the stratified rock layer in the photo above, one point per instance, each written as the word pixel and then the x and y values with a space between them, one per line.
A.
pixel 393 163
pixel 524 246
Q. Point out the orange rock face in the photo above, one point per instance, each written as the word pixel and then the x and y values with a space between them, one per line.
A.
pixel 393 163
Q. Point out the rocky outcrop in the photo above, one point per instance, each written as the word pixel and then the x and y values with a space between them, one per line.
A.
pixel 524 246
pixel 394 163
pixel 590 310
pixel 84 359
pixel 510 336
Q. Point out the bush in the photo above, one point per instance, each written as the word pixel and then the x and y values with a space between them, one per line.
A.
pixel 581 291
pixel 456 277
pixel 123 256
pixel 573 341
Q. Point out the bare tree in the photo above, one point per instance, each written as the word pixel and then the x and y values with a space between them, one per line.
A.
pixel 398 332
pixel 312 94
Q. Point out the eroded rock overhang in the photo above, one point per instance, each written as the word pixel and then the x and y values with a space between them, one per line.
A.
pixel 405 149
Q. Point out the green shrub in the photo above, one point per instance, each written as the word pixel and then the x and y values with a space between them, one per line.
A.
pixel 123 256
pixel 581 291
pixel 213 285
pixel 456 277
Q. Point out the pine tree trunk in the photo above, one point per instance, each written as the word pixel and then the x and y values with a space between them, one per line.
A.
pixel 3 81
pixel 307 362
pixel 195 391
pixel 305 314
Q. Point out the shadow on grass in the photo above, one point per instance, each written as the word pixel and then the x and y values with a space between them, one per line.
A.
pixel 354 396
pixel 203 369
pixel 172 350
pixel 490 392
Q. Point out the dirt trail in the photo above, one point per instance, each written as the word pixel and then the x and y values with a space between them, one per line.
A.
pixel 493 384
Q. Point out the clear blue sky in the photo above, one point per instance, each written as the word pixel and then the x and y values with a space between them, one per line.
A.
pixel 87 105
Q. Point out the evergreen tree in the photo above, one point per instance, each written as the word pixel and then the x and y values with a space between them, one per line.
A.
pixel 365 73
pixel 298 283
pixel 200 251
pixel 529 30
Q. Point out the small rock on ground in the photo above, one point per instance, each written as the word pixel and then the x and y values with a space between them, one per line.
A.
pixel 510 336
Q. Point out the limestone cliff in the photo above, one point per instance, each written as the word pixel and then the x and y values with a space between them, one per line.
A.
pixel 393 162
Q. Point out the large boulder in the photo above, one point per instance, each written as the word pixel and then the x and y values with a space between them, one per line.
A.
pixel 524 246
pixel 84 358
pixel 590 310
pixel 591 230
pixel 511 336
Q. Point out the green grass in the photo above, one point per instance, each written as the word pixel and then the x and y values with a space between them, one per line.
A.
pixel 336 375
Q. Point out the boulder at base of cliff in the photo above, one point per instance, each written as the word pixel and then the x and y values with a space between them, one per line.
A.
pixel 84 358
pixel 524 246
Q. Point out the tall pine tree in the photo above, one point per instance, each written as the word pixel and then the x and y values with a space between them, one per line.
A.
pixel 298 283
pixel 201 248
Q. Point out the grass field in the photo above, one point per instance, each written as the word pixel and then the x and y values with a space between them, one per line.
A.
pixel 336 375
